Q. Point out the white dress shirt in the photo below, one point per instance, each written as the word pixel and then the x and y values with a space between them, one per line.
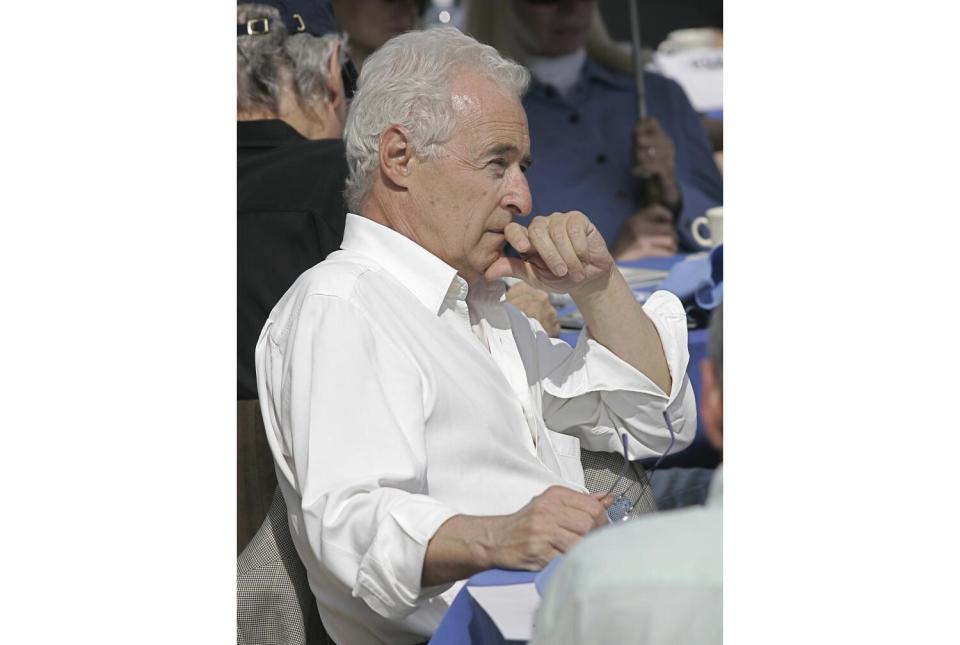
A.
pixel 656 580
pixel 395 397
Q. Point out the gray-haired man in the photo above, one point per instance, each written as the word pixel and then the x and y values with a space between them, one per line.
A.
pixel 422 430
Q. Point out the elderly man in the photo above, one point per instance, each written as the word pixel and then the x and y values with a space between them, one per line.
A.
pixel 422 430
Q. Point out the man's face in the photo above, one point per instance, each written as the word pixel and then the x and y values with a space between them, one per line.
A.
pixel 553 28
pixel 464 199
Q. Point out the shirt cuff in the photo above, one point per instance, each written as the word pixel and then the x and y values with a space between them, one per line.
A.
pixel 390 571
pixel 606 372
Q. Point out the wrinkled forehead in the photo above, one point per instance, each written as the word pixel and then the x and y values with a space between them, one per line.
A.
pixel 485 110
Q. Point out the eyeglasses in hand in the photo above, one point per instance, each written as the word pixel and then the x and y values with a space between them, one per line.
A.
pixel 623 504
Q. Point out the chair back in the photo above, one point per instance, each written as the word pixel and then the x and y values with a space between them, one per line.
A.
pixel 601 470
pixel 274 603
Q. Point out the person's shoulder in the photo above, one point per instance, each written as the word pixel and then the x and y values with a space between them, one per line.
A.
pixel 653 81
pixel 337 276
pixel 303 175
pixel 332 150
pixel 659 84
pixel 294 160
pixel 328 289
pixel 684 542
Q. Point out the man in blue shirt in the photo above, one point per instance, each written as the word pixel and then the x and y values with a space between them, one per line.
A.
pixel 589 149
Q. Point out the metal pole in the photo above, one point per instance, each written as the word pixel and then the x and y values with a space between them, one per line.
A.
pixel 638 60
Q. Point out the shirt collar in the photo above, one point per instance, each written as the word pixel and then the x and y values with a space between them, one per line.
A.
pixel 427 277
pixel 560 71
pixel 592 71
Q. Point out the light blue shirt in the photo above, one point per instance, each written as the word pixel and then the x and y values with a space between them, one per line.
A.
pixel 655 580
pixel 582 149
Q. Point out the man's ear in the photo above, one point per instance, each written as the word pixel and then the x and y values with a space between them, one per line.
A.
pixel 396 156
pixel 335 92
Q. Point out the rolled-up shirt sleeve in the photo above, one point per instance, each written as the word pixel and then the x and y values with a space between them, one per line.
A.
pixel 590 392
pixel 352 438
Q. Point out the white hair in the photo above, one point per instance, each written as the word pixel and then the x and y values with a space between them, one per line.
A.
pixel 408 82
pixel 269 62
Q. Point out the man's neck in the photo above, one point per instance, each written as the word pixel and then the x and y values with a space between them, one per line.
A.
pixel 392 213
pixel 310 127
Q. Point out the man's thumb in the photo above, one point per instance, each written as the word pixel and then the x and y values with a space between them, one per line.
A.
pixel 504 267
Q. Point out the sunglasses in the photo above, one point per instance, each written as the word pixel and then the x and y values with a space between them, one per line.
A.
pixel 348 74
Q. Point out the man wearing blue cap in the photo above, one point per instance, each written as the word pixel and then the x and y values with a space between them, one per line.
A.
pixel 291 168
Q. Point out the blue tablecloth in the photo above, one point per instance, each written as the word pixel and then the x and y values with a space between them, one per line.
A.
pixel 465 623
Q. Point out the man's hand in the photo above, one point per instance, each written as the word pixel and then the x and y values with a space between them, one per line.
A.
pixel 653 154
pixel 550 524
pixel 535 304
pixel 648 232
pixel 562 252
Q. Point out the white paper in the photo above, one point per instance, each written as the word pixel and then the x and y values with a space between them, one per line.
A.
pixel 700 73
pixel 511 607
pixel 637 277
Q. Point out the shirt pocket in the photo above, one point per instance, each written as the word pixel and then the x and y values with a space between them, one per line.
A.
pixel 567 449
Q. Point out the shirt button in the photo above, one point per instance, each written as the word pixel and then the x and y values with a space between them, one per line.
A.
pixel 574 118
pixel 601 159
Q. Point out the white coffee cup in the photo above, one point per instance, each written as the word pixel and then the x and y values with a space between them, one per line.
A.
pixel 684 39
pixel 713 220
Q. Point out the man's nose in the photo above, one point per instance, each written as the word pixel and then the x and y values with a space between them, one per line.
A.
pixel 518 199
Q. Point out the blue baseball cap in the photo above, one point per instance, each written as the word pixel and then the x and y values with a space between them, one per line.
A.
pixel 314 17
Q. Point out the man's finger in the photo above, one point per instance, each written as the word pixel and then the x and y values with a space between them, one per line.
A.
pixel 578 236
pixel 561 239
pixel 518 237
pixel 563 540
pixel 507 267
pixel 604 498
pixel 545 248
pixel 580 522
pixel 585 503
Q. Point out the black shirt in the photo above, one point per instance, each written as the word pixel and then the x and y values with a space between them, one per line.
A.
pixel 290 216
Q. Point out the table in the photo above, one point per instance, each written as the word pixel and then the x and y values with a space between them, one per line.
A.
pixel 465 623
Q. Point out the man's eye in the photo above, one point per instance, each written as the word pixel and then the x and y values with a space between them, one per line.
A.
pixel 498 166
